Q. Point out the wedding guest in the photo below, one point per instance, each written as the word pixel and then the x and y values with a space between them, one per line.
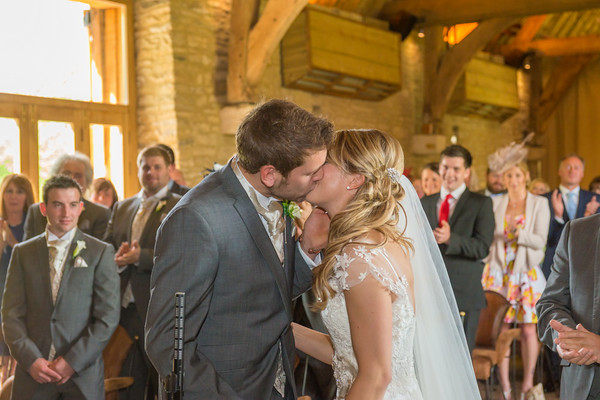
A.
pixel 539 187
pixel 567 202
pixel 132 232
pixel 16 195
pixel 60 306
pixel 104 192
pixel 93 218
pixel 595 185
pixel 177 182
pixel 568 309
pixel 494 184
pixel 431 179
pixel 513 265
pixel 463 226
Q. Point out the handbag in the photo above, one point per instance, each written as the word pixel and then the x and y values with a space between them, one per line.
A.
pixel 535 393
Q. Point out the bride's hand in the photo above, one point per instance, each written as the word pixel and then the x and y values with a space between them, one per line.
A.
pixel 315 233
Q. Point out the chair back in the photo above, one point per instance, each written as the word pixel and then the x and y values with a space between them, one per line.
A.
pixel 490 319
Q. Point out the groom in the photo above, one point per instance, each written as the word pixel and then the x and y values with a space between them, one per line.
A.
pixel 228 248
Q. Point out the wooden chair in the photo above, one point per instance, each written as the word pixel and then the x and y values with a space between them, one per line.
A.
pixel 114 355
pixel 491 346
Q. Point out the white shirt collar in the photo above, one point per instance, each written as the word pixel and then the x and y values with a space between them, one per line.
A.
pixel 64 240
pixel 157 196
pixel 455 194
pixel 262 199
pixel 564 190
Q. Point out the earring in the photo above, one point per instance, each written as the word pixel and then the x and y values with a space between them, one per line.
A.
pixel 347 187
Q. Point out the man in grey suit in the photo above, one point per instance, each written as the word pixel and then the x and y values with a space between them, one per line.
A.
pixel 463 226
pixel 569 310
pixel 132 231
pixel 227 246
pixel 93 218
pixel 60 306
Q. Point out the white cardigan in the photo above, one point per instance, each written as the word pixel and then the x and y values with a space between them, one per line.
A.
pixel 532 238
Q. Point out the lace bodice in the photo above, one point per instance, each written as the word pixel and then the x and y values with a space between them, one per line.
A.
pixel 353 267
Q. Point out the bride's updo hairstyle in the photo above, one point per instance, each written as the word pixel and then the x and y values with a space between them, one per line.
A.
pixel 376 156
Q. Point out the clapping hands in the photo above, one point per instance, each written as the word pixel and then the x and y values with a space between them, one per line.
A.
pixel 128 254
pixel 591 207
pixel 577 346
pixel 442 233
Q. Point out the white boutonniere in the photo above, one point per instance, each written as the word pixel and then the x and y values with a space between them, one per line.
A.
pixel 160 205
pixel 291 209
pixel 80 246
pixel 80 263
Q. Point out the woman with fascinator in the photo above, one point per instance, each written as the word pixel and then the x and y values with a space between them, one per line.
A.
pixel 385 296
pixel 513 264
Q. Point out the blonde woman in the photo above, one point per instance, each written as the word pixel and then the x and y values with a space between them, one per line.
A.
pixel 513 265
pixel 382 286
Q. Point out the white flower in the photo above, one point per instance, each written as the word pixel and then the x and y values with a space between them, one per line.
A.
pixel 294 210
pixel 160 205
pixel 80 246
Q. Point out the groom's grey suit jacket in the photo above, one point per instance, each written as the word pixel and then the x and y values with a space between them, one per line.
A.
pixel 572 297
pixel 79 325
pixel 214 247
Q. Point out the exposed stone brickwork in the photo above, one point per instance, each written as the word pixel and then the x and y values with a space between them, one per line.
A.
pixel 182 70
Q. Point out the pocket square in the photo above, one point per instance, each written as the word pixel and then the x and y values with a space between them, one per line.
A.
pixel 80 263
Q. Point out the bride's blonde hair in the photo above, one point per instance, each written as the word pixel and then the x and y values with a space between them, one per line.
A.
pixel 370 153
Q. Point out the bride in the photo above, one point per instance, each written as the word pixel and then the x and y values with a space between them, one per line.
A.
pixel 382 287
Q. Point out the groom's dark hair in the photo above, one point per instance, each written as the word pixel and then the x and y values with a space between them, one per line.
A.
pixel 59 182
pixel 281 134
pixel 456 150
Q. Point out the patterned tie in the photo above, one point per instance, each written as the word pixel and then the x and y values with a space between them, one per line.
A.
pixel 273 215
pixel 571 205
pixel 56 255
pixel 445 209
pixel 140 219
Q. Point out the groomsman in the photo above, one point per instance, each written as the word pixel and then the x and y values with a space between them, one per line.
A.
pixel 567 202
pixel 569 313
pixel 93 218
pixel 463 226
pixel 132 231
pixel 60 306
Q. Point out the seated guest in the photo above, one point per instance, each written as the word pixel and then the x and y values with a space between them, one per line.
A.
pixel 430 178
pixel 61 303
pixel 16 195
pixel 539 186
pixel 93 219
pixel 514 264
pixel 177 183
pixel 595 185
pixel 104 192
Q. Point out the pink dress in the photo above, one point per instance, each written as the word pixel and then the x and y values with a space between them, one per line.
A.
pixel 522 290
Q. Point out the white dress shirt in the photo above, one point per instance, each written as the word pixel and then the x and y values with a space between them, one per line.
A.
pixel 452 202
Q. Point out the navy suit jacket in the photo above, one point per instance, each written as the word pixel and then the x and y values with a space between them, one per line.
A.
pixel 556 227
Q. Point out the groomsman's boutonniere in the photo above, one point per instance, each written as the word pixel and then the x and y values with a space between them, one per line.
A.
pixel 291 209
pixel 160 205
pixel 80 246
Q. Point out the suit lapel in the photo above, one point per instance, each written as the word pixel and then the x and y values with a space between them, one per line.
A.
pixel 430 208
pixel 254 225
pixel 460 205
pixel 130 215
pixel 42 249
pixel 153 221
pixel 584 198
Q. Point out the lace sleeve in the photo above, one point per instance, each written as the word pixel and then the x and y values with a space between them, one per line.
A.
pixel 357 262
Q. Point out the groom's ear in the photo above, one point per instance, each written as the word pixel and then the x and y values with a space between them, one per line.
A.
pixel 268 175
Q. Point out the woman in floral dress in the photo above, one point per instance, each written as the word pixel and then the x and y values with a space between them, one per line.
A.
pixel 513 265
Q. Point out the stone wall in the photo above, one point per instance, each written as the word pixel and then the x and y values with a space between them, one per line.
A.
pixel 182 86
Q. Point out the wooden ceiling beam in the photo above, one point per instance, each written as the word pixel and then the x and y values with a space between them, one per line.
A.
pixel 460 11
pixel 569 46
pixel 265 36
pixel 514 52
pixel 561 79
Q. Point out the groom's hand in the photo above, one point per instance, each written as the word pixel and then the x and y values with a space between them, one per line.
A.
pixel 316 231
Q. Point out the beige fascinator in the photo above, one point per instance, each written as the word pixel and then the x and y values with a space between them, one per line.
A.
pixel 509 156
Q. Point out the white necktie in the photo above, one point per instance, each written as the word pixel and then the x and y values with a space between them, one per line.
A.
pixel 56 257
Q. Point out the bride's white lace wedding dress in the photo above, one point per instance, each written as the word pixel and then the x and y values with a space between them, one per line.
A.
pixel 353 267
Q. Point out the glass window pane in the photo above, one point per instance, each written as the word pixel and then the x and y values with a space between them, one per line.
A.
pixel 54 139
pixel 107 155
pixel 10 160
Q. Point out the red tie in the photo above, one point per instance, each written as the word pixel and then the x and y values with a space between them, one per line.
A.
pixel 445 209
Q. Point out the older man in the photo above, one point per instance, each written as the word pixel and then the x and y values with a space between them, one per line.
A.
pixel 93 219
